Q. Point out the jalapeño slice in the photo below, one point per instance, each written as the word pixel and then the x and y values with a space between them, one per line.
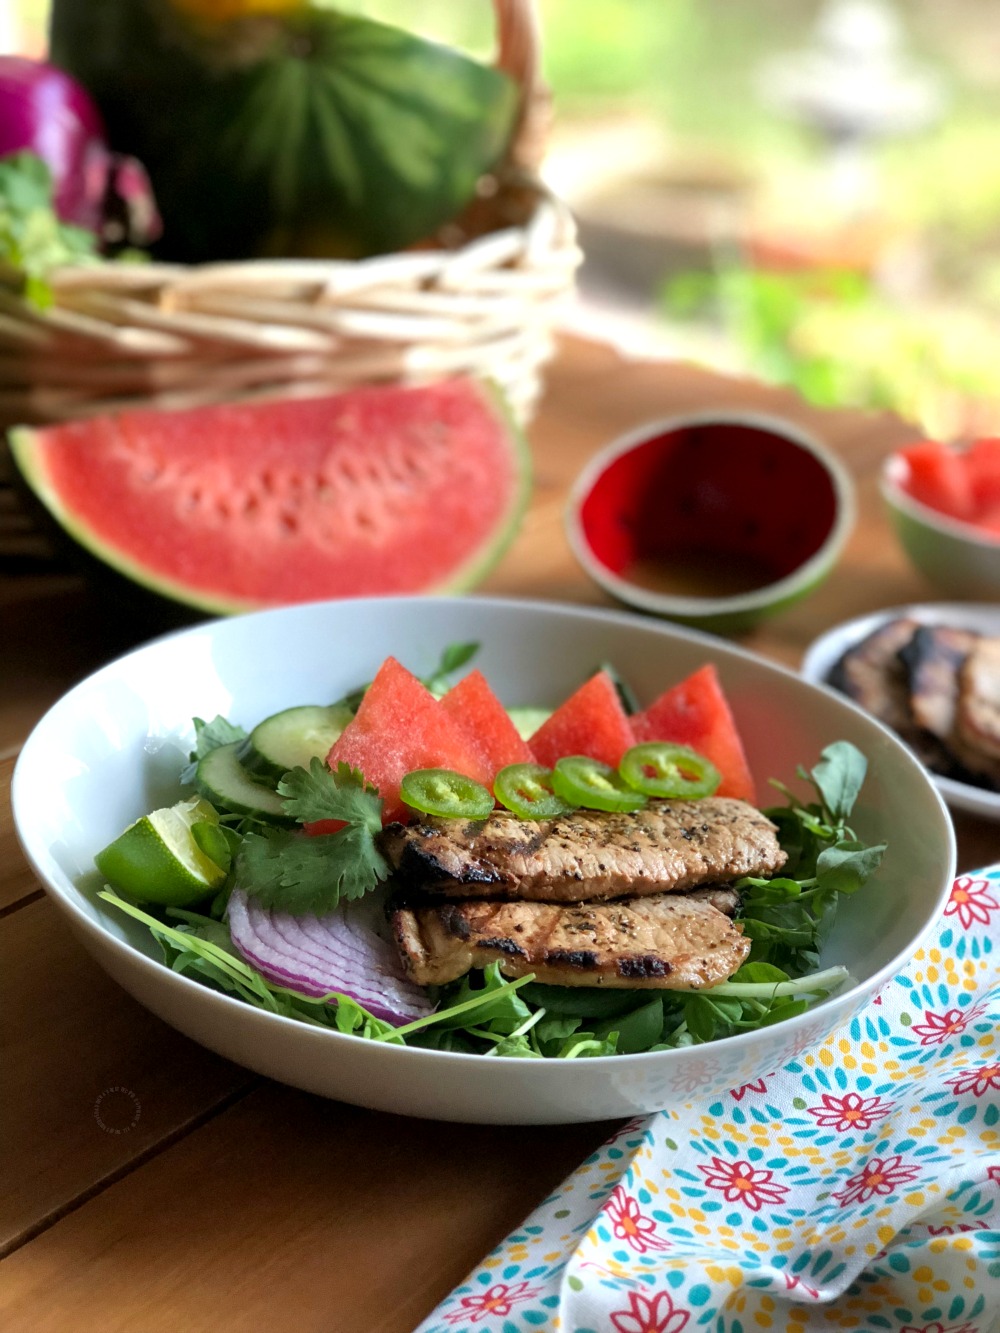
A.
pixel 443 792
pixel 588 782
pixel 660 768
pixel 526 790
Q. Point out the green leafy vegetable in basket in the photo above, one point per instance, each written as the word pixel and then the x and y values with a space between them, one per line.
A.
pixel 307 132
pixel 32 239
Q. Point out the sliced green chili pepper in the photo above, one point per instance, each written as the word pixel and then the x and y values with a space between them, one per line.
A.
pixel 588 782
pixel 440 791
pixel 660 768
pixel 526 790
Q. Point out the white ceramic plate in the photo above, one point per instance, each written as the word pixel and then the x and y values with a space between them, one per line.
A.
pixel 111 748
pixel 823 653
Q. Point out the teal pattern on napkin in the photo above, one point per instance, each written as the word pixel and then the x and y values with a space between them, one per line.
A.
pixel 856 1188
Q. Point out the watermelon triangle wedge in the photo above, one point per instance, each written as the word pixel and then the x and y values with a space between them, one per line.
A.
pixel 233 507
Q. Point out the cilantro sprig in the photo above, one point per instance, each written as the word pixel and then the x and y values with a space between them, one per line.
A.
pixel 298 874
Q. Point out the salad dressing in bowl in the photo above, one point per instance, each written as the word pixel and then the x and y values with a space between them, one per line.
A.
pixel 713 519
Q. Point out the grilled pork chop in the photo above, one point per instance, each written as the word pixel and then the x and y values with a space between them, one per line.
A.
pixel 667 941
pixel 978 721
pixel 666 846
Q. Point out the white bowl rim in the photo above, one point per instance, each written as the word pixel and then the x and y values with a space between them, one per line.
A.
pixel 534 1069
pixel 707 607
pixel 891 486
pixel 959 795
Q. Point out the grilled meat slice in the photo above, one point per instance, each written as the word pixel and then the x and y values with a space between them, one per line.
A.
pixel 667 941
pixel 668 845
pixel 935 658
pixel 978 717
pixel 872 674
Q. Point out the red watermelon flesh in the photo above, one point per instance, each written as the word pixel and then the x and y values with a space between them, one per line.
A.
pixel 938 478
pixel 382 489
pixel 696 713
pixel 592 722
pixel 399 727
pixel 473 706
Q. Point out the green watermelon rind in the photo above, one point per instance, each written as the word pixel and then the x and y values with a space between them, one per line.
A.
pixel 30 464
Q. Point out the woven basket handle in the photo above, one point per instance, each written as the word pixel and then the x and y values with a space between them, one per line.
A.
pixel 519 54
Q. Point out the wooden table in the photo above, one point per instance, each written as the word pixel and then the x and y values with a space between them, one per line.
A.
pixel 151 1187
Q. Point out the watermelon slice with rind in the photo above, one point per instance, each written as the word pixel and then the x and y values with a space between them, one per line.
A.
pixel 232 507
pixel 400 727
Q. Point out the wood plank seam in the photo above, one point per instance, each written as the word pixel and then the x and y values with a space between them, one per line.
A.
pixel 18 903
pixel 154 1150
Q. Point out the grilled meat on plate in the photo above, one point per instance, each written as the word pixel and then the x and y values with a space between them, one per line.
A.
pixel 668 846
pixel 666 941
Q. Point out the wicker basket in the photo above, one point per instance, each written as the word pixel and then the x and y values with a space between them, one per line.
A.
pixel 481 300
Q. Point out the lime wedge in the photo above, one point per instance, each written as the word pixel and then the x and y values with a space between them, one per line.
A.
pixel 156 859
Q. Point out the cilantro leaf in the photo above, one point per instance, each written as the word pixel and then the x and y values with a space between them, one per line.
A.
pixel 294 873
pixel 209 736
pixel 320 794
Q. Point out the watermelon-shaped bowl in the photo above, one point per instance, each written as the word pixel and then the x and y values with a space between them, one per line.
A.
pixel 112 748
pixel 713 519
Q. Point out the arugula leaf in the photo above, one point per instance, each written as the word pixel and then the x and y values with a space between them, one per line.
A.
pixel 209 736
pixel 838 778
pixel 498 1008
pixel 848 865
pixel 321 794
pixel 453 658
pixel 636 1031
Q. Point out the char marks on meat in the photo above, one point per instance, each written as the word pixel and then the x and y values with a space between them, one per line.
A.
pixel 668 846
pixel 665 941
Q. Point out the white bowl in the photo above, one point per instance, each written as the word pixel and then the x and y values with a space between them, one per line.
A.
pixel 111 748
pixel 824 653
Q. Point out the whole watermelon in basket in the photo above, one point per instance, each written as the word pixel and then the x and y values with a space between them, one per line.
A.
pixel 273 128
pixel 382 489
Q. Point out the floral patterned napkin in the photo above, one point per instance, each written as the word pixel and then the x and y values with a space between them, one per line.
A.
pixel 857 1188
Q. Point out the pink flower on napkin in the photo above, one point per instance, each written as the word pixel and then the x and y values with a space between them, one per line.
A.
pixel 498 1300
pixel 971 902
pixel 655 1314
pixel 742 1182
pixel 852 1111
pixel 739 1093
pixel 630 1225
pixel 939 1027
pixel 977 1081
pixel 881 1175
pixel 938 1327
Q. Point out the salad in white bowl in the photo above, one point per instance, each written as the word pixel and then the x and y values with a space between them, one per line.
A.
pixel 431 955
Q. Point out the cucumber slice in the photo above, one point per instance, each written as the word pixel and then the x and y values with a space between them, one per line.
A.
pixel 528 720
pixel 291 738
pixel 222 779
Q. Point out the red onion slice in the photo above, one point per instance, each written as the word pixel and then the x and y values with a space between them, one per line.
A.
pixel 317 955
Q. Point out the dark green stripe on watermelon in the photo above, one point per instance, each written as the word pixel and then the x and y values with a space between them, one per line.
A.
pixel 312 134
pixel 227 508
